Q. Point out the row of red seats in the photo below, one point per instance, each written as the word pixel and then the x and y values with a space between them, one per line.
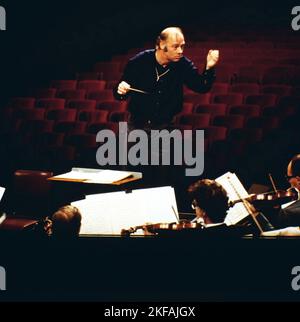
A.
pixel 81 146
pixel 241 70
pixel 248 110
pixel 34 118
pixel 106 102
pixel 58 88
pixel 218 88
pixel 233 98
pixel 116 111
pixel 83 134
pixel 67 123
pixel 238 98
pixel 252 88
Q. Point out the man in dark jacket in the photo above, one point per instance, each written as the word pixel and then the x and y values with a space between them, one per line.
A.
pixel 154 79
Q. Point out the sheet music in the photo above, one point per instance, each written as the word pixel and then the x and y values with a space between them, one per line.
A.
pixel 288 231
pixel 235 191
pixel 110 176
pixel 73 175
pixel 2 190
pixel 2 217
pixel 90 215
pixel 109 213
pixel 95 175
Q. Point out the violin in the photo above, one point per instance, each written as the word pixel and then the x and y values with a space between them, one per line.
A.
pixel 269 199
pixel 163 228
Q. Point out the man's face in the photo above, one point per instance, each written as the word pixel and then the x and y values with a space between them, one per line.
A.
pixel 294 181
pixel 173 47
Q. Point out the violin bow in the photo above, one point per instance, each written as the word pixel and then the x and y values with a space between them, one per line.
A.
pixel 272 182
pixel 175 212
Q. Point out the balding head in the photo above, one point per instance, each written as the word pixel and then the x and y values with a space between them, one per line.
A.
pixel 294 165
pixel 169 46
pixel 66 222
pixel 167 33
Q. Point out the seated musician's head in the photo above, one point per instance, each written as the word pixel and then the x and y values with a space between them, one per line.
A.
pixel 66 222
pixel 293 172
pixel 210 200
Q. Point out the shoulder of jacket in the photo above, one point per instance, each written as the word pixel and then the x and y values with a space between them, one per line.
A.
pixel 148 53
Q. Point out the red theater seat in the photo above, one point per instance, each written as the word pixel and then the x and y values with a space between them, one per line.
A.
pixel 92 85
pixel 229 121
pixel 51 103
pixel 212 109
pixel 112 106
pixel 196 98
pixel 45 93
pixel 101 96
pixel 245 88
pixel 119 116
pixel 70 127
pixel 64 84
pixel 31 189
pixel 18 224
pixel 72 94
pixel 93 116
pixel 261 99
pixel 29 114
pixel 62 115
pixel 247 110
pixel 229 99
pixel 94 128
pixel 22 102
pixel 196 120
pixel 82 104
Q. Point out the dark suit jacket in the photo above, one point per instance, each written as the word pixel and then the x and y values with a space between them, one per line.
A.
pixel 290 216
pixel 165 96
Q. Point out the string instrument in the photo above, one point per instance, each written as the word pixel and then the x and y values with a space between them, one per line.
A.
pixel 163 228
pixel 248 207
pixel 269 199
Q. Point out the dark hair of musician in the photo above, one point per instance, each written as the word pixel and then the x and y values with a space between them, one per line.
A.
pixel 211 197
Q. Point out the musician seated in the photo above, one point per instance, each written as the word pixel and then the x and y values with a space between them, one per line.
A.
pixel 64 223
pixel 290 213
pixel 210 201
